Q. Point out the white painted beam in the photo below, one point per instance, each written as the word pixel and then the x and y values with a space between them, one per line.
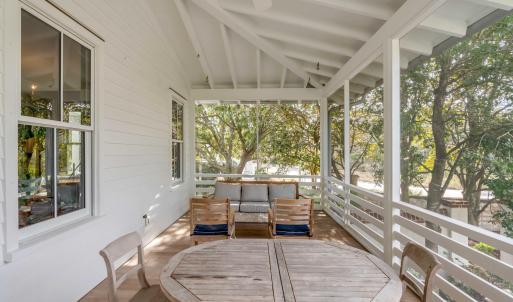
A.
pixel 283 77
pixel 229 55
pixel 257 94
pixel 322 46
pixel 374 10
pixel 499 4
pixel 189 27
pixel 409 16
pixel 378 11
pixel 258 67
pixel 314 59
pixel 371 70
pixel 212 8
pixel 326 47
pixel 341 31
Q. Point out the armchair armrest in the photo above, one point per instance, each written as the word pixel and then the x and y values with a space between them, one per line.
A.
pixel 301 196
pixel 231 222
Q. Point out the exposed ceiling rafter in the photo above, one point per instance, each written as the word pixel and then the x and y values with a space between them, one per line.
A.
pixel 229 55
pixel 340 31
pixel 433 23
pixel 212 8
pixel 186 19
pixel 404 20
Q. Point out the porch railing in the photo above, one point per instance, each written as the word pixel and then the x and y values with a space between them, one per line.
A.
pixel 309 185
pixel 465 269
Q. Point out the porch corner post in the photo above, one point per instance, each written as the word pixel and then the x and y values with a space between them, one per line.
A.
pixel 392 115
pixel 347 150
pixel 323 103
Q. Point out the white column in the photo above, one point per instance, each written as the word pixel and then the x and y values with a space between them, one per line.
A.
pixel 392 114
pixel 347 155
pixel 323 103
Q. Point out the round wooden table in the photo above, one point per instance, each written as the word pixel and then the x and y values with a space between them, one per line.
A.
pixel 278 270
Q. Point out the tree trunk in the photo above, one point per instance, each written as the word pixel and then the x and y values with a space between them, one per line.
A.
pixel 435 189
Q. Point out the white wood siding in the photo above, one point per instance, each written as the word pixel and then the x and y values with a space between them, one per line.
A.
pixel 138 66
pixel 2 135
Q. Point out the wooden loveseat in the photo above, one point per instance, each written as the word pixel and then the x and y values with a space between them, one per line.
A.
pixel 252 199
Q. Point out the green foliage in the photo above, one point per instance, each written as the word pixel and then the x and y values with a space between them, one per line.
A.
pixel 485 248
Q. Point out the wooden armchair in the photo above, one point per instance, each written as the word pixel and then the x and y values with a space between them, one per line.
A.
pixel 115 251
pixel 423 260
pixel 291 218
pixel 211 218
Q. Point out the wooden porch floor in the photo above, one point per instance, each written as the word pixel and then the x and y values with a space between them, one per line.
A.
pixel 176 238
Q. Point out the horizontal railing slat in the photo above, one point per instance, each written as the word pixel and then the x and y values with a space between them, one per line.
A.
pixel 496 240
pixel 485 261
pixel 484 287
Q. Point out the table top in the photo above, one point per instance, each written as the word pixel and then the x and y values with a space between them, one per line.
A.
pixel 278 270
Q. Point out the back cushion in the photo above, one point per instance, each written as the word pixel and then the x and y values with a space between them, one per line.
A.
pixel 283 191
pixel 254 192
pixel 227 190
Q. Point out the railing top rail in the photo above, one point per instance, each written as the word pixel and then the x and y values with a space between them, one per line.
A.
pixel 257 175
pixel 496 240
pixel 370 194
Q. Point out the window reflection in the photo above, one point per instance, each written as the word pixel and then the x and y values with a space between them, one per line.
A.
pixel 40 68
pixel 70 173
pixel 76 82
pixel 35 169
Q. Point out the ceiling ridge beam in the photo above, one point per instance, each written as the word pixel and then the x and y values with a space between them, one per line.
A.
pixel 229 55
pixel 189 27
pixel 212 8
pixel 340 31
pixel 404 20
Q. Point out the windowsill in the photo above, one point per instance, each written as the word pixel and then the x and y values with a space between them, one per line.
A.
pixel 30 245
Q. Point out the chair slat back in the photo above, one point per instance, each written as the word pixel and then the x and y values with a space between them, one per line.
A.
pixel 115 251
pixel 426 262
pixel 293 211
pixel 209 211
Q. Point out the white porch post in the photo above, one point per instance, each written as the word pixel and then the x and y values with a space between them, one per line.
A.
pixel 392 114
pixel 323 103
pixel 347 155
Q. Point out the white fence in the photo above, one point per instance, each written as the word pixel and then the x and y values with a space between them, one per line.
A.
pixel 361 213
pixel 309 185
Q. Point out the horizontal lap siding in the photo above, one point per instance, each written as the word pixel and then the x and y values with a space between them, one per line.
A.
pixel 139 65
pixel 2 140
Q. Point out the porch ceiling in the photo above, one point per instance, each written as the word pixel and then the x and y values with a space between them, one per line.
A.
pixel 298 43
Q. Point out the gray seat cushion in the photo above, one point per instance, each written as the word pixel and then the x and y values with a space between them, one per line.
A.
pixel 284 191
pixel 227 190
pixel 254 193
pixel 254 207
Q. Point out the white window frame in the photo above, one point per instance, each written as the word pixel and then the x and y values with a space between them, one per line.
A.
pixel 16 237
pixel 177 181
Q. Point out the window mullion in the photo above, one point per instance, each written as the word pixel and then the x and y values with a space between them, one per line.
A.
pixel 54 172
pixel 61 76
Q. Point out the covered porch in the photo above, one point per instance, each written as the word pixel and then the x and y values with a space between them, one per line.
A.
pixel 379 175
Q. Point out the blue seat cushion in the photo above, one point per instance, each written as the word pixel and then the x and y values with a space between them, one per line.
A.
pixel 292 230
pixel 211 229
